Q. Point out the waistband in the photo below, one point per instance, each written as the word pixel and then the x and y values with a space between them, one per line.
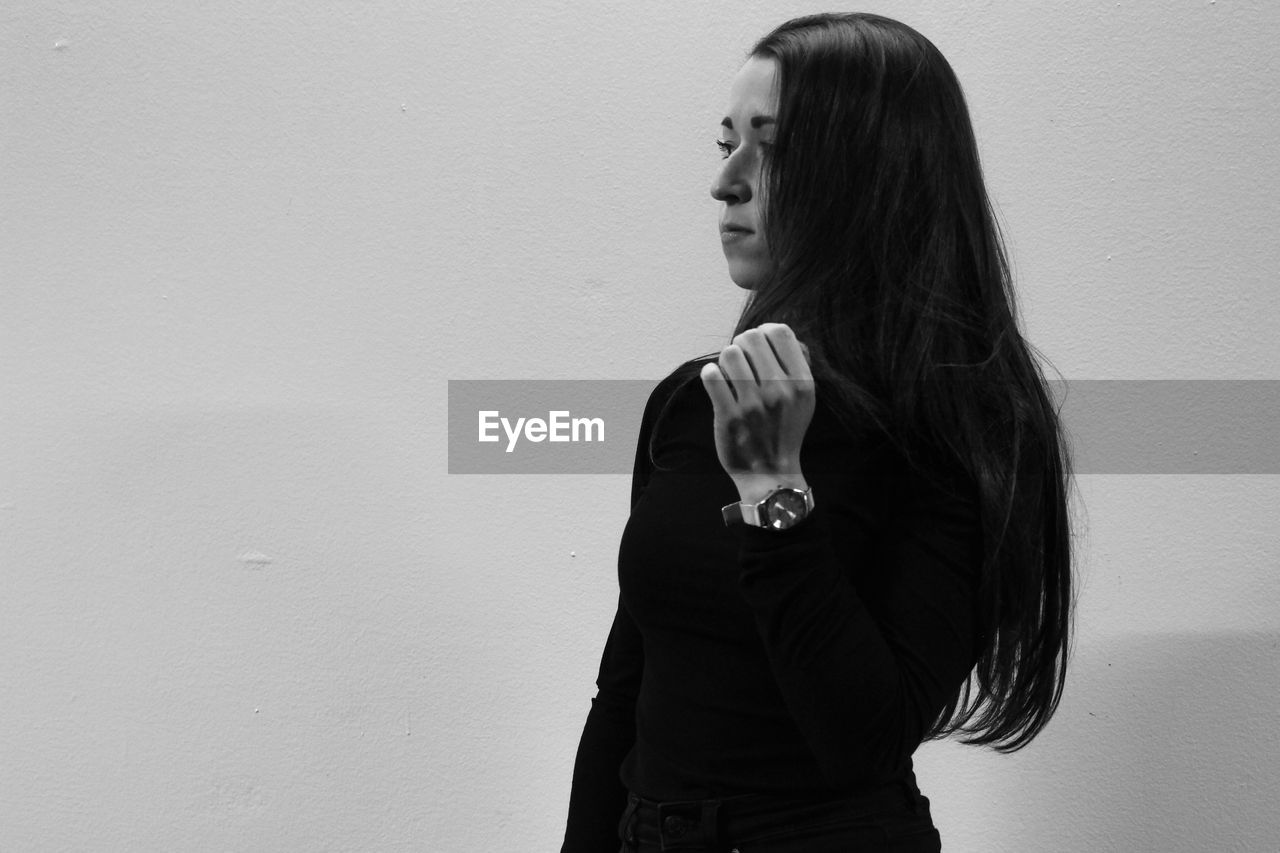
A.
pixel 716 818
pixel 891 797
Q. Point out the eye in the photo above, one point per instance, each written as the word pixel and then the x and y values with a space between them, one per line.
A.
pixel 725 149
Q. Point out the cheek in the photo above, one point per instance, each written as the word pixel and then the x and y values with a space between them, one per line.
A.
pixel 760 250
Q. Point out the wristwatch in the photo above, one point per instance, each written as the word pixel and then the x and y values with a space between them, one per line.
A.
pixel 781 509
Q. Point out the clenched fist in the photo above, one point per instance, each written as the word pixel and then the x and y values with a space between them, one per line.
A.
pixel 763 396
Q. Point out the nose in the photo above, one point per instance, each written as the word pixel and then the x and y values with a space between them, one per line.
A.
pixel 730 186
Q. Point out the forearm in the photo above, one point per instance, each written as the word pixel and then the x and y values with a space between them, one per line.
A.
pixel 598 797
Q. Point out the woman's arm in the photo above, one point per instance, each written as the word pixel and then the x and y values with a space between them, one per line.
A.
pixel 598 797
pixel 863 686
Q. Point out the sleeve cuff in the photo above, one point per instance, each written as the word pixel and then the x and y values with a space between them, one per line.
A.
pixel 813 531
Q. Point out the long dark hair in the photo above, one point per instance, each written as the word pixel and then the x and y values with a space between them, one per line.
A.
pixel 890 266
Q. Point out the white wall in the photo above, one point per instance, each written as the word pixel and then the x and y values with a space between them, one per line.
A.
pixel 243 247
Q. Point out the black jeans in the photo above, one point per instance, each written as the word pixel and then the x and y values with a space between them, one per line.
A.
pixel 894 819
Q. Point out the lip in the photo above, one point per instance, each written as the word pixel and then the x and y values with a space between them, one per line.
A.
pixel 734 228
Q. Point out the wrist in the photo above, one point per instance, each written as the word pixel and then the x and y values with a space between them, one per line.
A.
pixel 753 488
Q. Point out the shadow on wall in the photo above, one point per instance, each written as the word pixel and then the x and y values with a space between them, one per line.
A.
pixel 1164 743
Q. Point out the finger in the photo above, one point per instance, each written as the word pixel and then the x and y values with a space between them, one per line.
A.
pixel 734 366
pixel 717 387
pixel 791 354
pixel 764 361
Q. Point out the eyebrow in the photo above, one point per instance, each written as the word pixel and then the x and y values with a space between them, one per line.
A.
pixel 756 121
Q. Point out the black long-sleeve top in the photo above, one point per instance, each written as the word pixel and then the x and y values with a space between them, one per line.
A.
pixel 810 661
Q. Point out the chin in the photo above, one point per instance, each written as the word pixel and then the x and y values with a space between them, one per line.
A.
pixel 747 278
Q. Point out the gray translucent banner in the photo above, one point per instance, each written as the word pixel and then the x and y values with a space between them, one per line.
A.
pixel 1115 426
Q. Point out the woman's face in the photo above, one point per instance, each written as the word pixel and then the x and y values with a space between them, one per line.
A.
pixel 746 137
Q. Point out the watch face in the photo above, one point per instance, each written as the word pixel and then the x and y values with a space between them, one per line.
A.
pixel 783 509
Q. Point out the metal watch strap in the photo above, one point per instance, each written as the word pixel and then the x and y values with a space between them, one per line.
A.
pixel 749 513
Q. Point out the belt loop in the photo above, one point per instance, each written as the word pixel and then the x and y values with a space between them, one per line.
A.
pixel 710 821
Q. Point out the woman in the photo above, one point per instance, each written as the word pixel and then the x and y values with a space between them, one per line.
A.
pixel 851 535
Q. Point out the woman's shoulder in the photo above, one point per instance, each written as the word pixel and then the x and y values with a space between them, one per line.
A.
pixel 691 367
pixel 678 379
